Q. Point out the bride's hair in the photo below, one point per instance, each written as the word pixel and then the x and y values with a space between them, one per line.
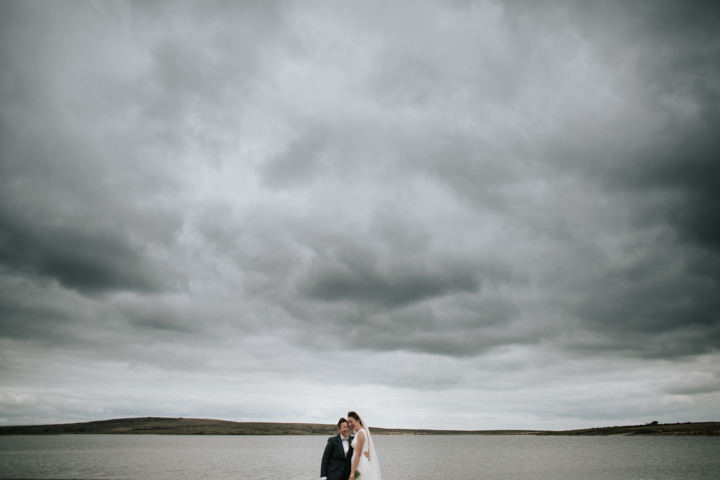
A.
pixel 355 416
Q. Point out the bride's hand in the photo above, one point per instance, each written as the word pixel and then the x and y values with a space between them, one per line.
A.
pixel 367 454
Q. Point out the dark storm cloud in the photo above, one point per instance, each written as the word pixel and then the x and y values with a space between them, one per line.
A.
pixel 400 295
pixel 458 327
pixel 46 312
pixel 663 301
pixel 79 204
pixel 87 258
pixel 654 293
pixel 356 276
pixel 682 66
pixel 675 46
pixel 685 166
pixel 654 316
pixel 160 317
pixel 26 318
pixel 56 221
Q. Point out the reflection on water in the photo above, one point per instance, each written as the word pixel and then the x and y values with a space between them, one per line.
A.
pixel 402 457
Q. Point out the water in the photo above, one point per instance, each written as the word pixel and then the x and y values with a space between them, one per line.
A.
pixel 402 457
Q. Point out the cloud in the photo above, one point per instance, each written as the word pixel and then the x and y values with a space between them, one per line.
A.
pixel 507 203
pixel 93 260
pixel 354 276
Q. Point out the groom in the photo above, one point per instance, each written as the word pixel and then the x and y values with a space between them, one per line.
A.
pixel 338 453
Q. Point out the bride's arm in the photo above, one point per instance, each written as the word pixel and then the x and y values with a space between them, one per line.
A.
pixel 356 458
pixel 367 452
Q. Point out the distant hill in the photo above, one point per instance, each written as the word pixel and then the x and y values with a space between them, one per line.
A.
pixel 201 426
pixel 174 426
pixel 654 428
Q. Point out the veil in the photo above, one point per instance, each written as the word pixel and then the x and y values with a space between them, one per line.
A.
pixel 374 464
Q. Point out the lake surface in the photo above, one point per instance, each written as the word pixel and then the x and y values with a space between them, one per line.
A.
pixel 402 457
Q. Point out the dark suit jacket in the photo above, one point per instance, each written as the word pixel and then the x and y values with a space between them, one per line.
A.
pixel 335 464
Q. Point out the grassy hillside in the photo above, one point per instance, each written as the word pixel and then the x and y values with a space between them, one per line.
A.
pixel 174 426
pixel 200 426
pixel 697 428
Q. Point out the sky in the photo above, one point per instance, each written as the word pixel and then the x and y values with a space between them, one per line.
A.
pixel 440 214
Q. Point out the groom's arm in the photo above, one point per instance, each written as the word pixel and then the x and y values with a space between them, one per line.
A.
pixel 326 458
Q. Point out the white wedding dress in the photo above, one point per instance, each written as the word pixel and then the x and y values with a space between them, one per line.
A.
pixel 369 468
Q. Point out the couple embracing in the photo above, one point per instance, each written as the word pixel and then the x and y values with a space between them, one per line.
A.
pixel 348 457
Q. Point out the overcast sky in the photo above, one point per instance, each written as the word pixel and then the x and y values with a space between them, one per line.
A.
pixel 449 214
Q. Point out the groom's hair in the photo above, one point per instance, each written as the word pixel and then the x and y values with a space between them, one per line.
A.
pixel 341 421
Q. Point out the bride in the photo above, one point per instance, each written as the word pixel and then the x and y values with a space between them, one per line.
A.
pixel 364 460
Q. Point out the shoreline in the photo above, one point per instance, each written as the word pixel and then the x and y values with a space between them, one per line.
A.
pixel 195 426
